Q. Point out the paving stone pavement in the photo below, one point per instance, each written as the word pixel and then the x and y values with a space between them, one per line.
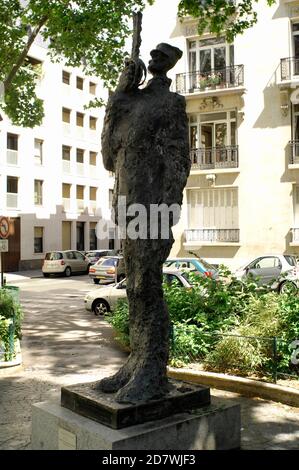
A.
pixel 74 346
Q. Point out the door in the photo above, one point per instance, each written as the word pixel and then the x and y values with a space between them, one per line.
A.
pixel 265 269
pixel 66 235
pixel 11 259
pixel 80 236
pixel 80 261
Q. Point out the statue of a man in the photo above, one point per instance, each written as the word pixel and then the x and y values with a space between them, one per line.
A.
pixel 145 142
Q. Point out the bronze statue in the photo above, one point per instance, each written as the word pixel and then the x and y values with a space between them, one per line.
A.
pixel 145 142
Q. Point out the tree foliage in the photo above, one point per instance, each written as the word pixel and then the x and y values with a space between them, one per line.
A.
pixel 87 33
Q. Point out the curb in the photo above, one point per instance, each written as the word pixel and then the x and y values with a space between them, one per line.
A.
pixel 11 366
pixel 246 387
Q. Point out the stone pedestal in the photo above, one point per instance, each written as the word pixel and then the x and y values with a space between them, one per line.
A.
pixel 210 427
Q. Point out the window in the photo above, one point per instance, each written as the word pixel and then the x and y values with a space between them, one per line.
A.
pixel 79 256
pixel 66 115
pixel 267 262
pixel 66 152
pixel 80 192
pixel 80 119
pixel 80 83
pixel 213 208
pixel 93 193
pixel 66 77
pixel 209 130
pixel 93 158
pixel 66 190
pixel 38 151
pixel 38 239
pixel 92 88
pixel 92 123
pixel 210 54
pixel 80 156
pixel 38 192
pixel 12 191
pixel 12 185
pixel 12 142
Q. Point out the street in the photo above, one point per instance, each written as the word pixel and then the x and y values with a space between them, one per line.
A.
pixel 62 344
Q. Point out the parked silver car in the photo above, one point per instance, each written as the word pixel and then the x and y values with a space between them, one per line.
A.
pixel 108 269
pixel 281 272
pixel 103 300
pixel 65 262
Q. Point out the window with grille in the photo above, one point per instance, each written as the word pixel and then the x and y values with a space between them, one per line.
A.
pixel 12 141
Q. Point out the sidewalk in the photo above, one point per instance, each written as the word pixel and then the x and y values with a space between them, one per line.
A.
pixel 21 276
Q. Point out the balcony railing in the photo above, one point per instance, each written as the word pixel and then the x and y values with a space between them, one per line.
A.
pixel 212 235
pixel 227 77
pixel 294 152
pixel 295 234
pixel 80 205
pixel 66 166
pixel 289 68
pixel 66 203
pixel 92 207
pixel 12 157
pixel 215 157
pixel 80 169
pixel 12 200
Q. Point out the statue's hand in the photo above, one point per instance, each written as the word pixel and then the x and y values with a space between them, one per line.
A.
pixel 131 76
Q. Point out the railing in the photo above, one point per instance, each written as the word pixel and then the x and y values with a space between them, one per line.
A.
pixel 215 157
pixel 294 153
pixel 295 234
pixel 12 200
pixel 80 205
pixel 66 166
pixel 212 235
pixel 80 169
pixel 66 202
pixel 92 207
pixel 289 67
pixel 227 77
pixel 12 157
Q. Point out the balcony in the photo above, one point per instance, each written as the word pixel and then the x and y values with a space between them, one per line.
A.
pixel 220 79
pixel 80 169
pixel 289 69
pixel 92 207
pixel 80 205
pixel 12 200
pixel 66 203
pixel 215 158
pixel 294 154
pixel 295 236
pixel 208 236
pixel 12 157
pixel 66 166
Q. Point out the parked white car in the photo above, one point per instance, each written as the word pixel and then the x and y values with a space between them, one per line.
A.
pixel 102 300
pixel 281 272
pixel 65 263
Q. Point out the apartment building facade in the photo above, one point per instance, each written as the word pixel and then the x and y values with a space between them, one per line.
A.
pixel 54 187
pixel 242 196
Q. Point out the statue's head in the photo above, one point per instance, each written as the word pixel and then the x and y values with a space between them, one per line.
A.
pixel 164 57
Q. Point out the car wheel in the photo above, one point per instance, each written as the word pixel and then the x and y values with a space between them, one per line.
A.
pixel 287 287
pixel 96 281
pixel 67 271
pixel 120 277
pixel 100 307
pixel 46 274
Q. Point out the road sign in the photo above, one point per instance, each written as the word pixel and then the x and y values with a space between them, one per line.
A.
pixel 4 227
pixel 3 246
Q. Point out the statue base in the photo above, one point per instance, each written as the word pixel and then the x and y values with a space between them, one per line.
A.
pixel 212 427
pixel 87 401
pixel 186 419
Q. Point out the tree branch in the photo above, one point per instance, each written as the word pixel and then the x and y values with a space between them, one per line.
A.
pixel 23 55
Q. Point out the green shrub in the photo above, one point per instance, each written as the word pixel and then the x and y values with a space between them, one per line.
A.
pixel 120 322
pixel 10 317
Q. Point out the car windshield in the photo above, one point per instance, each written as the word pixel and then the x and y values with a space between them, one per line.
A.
pixel 109 262
pixel 92 254
pixel 54 256
pixel 291 260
